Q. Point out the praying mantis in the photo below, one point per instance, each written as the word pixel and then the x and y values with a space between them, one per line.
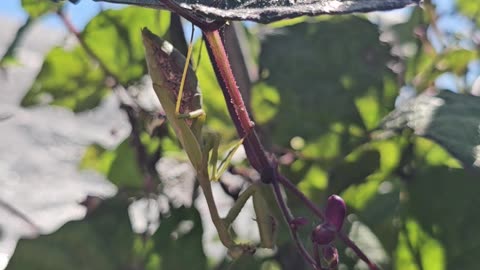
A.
pixel 176 86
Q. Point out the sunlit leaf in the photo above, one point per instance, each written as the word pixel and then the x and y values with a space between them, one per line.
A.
pixel 72 79
pixel 418 250
pixel 319 97
pixel 120 165
pixel 37 8
pixel 69 79
pixel 450 119
pixel 470 8
pixel 444 201
pixel 114 36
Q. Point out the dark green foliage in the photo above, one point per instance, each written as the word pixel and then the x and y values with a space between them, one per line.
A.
pixel 178 241
pixel 102 241
pixel 335 86
pixel 452 120
pixel 68 79
pixel 118 165
pixel 72 79
pixel 449 212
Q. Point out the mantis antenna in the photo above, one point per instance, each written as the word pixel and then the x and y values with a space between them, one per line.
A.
pixel 185 69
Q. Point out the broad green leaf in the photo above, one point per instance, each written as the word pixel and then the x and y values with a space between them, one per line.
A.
pixel 120 165
pixel 428 153
pixel 450 119
pixel 318 97
pixel 353 170
pixel 102 241
pixel 267 11
pixel 361 175
pixel 37 8
pixel 72 79
pixel 69 79
pixel 444 202
pixel 470 8
pixel 178 241
pixel 431 65
pixel 114 36
pixel 418 250
pixel 456 61
pixel 382 211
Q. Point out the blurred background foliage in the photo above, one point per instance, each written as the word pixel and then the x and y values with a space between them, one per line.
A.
pixel 323 86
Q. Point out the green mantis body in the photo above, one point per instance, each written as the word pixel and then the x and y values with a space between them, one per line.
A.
pixel 177 89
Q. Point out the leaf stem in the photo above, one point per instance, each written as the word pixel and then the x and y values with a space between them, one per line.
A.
pixel 293 229
pixel 357 250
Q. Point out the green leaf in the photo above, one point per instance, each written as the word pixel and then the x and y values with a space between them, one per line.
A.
pixel 456 61
pixel 266 11
pixel 118 165
pixel 382 211
pixel 69 79
pixel 310 91
pixel 37 8
pixel 431 65
pixel 72 79
pixel 450 119
pixel 470 8
pixel 178 241
pixel 115 38
pixel 353 170
pixel 418 250
pixel 445 203
pixel 102 241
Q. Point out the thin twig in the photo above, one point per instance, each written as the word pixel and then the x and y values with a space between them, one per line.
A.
pixel 286 183
pixel 357 251
pixel 293 231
